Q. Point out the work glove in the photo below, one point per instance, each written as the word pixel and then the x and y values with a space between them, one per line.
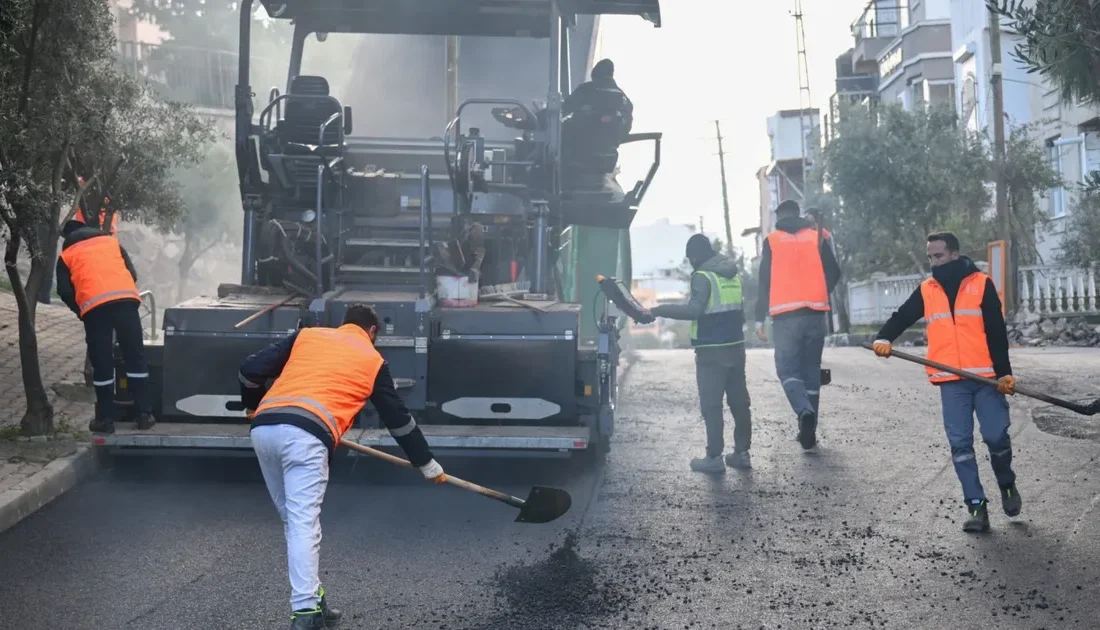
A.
pixel 433 472
pixel 1007 385
pixel 760 334
pixel 249 414
pixel 882 348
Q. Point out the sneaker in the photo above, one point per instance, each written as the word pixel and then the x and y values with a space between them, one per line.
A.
pixel 708 464
pixel 308 619
pixel 1011 501
pixel 807 430
pixel 101 425
pixel 331 615
pixel 978 517
pixel 738 459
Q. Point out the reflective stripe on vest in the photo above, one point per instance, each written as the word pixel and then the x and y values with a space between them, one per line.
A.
pixel 720 324
pixel 98 272
pixel 958 341
pixel 797 273
pixel 329 376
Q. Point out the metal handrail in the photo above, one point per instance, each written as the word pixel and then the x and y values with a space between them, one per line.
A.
pixel 152 312
pixel 425 222
pixel 640 190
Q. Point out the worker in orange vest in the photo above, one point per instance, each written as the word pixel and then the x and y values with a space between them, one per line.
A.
pixel 797 273
pixel 96 279
pixel 966 330
pixel 323 378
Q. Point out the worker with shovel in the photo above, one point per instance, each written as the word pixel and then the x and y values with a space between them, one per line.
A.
pixel 966 330
pixel 323 377
pixel 718 336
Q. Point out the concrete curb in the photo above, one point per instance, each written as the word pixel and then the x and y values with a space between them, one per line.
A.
pixel 44 486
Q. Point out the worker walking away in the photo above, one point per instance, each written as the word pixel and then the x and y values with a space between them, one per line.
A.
pixel 718 336
pixel 323 377
pixel 797 273
pixel 97 281
pixel 966 330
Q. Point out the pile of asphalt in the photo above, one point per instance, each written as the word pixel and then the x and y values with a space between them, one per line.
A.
pixel 563 590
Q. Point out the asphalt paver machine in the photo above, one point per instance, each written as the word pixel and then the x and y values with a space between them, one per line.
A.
pixel 333 219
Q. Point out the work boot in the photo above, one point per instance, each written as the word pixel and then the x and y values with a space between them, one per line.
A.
pixel 145 421
pixel 1011 501
pixel 101 425
pixel 807 430
pixel 708 464
pixel 308 619
pixel 978 518
pixel 332 615
pixel 738 459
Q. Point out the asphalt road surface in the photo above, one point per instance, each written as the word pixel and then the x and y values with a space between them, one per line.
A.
pixel 864 534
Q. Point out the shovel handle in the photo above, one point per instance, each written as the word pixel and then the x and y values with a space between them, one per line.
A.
pixel 1086 410
pixel 451 479
pixel 265 310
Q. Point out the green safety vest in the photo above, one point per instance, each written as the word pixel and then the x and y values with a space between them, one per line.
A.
pixel 722 324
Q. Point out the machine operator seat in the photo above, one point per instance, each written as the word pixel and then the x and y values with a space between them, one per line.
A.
pixel 590 150
pixel 302 121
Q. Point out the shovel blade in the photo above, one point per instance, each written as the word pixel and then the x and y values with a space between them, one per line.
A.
pixel 544 505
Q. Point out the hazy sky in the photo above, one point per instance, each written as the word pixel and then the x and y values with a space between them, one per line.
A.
pixel 717 59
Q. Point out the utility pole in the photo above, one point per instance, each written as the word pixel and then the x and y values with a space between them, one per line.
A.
pixel 725 195
pixel 1003 220
pixel 805 102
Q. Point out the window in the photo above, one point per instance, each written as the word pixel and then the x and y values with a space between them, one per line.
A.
pixel 1057 195
pixel 1092 152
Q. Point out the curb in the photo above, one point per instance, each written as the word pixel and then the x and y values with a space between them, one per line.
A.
pixel 44 486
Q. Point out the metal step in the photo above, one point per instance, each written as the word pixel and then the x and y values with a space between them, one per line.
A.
pixel 376 269
pixel 236 436
pixel 383 242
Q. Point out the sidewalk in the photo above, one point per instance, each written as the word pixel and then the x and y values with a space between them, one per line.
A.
pixel 34 471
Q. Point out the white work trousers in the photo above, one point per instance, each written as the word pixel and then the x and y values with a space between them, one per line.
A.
pixel 295 468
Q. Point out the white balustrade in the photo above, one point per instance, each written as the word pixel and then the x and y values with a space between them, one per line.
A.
pixel 1058 291
pixel 871 302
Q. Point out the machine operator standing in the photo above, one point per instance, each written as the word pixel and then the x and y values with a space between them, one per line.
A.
pixel 797 273
pixel 718 336
pixel 324 376
pixel 97 281
pixel 966 330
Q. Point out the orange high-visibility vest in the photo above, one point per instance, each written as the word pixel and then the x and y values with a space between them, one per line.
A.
pixel 99 274
pixel 330 374
pixel 957 341
pixel 797 274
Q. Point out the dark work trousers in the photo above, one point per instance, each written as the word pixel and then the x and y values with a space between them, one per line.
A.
pixel 121 318
pixel 799 343
pixel 721 371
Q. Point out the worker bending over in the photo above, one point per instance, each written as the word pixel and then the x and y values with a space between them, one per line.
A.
pixel 323 377
pixel 797 273
pixel 97 281
pixel 718 336
pixel 966 330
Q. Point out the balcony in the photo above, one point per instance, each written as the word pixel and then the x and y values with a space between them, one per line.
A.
pixel 860 83
pixel 202 77
pixel 880 22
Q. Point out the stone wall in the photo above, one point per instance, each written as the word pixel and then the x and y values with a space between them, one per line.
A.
pixel 1032 329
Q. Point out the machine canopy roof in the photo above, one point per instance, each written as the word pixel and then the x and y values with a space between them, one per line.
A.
pixel 488 18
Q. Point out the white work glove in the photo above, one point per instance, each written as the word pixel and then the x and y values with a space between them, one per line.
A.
pixel 432 471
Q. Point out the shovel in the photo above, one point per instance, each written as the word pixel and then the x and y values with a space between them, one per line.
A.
pixel 1086 410
pixel 542 505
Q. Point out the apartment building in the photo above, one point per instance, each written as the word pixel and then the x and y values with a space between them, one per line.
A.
pixel 792 134
pixel 915 67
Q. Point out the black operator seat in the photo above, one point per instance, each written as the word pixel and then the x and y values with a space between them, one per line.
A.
pixel 305 113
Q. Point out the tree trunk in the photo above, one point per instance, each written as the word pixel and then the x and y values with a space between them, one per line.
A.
pixel 184 266
pixel 38 420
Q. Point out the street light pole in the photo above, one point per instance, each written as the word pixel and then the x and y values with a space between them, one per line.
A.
pixel 1004 221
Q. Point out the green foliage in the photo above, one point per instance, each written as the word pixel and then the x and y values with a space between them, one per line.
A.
pixel 66 111
pixel 1061 41
pixel 891 177
pixel 1081 242
pixel 897 176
